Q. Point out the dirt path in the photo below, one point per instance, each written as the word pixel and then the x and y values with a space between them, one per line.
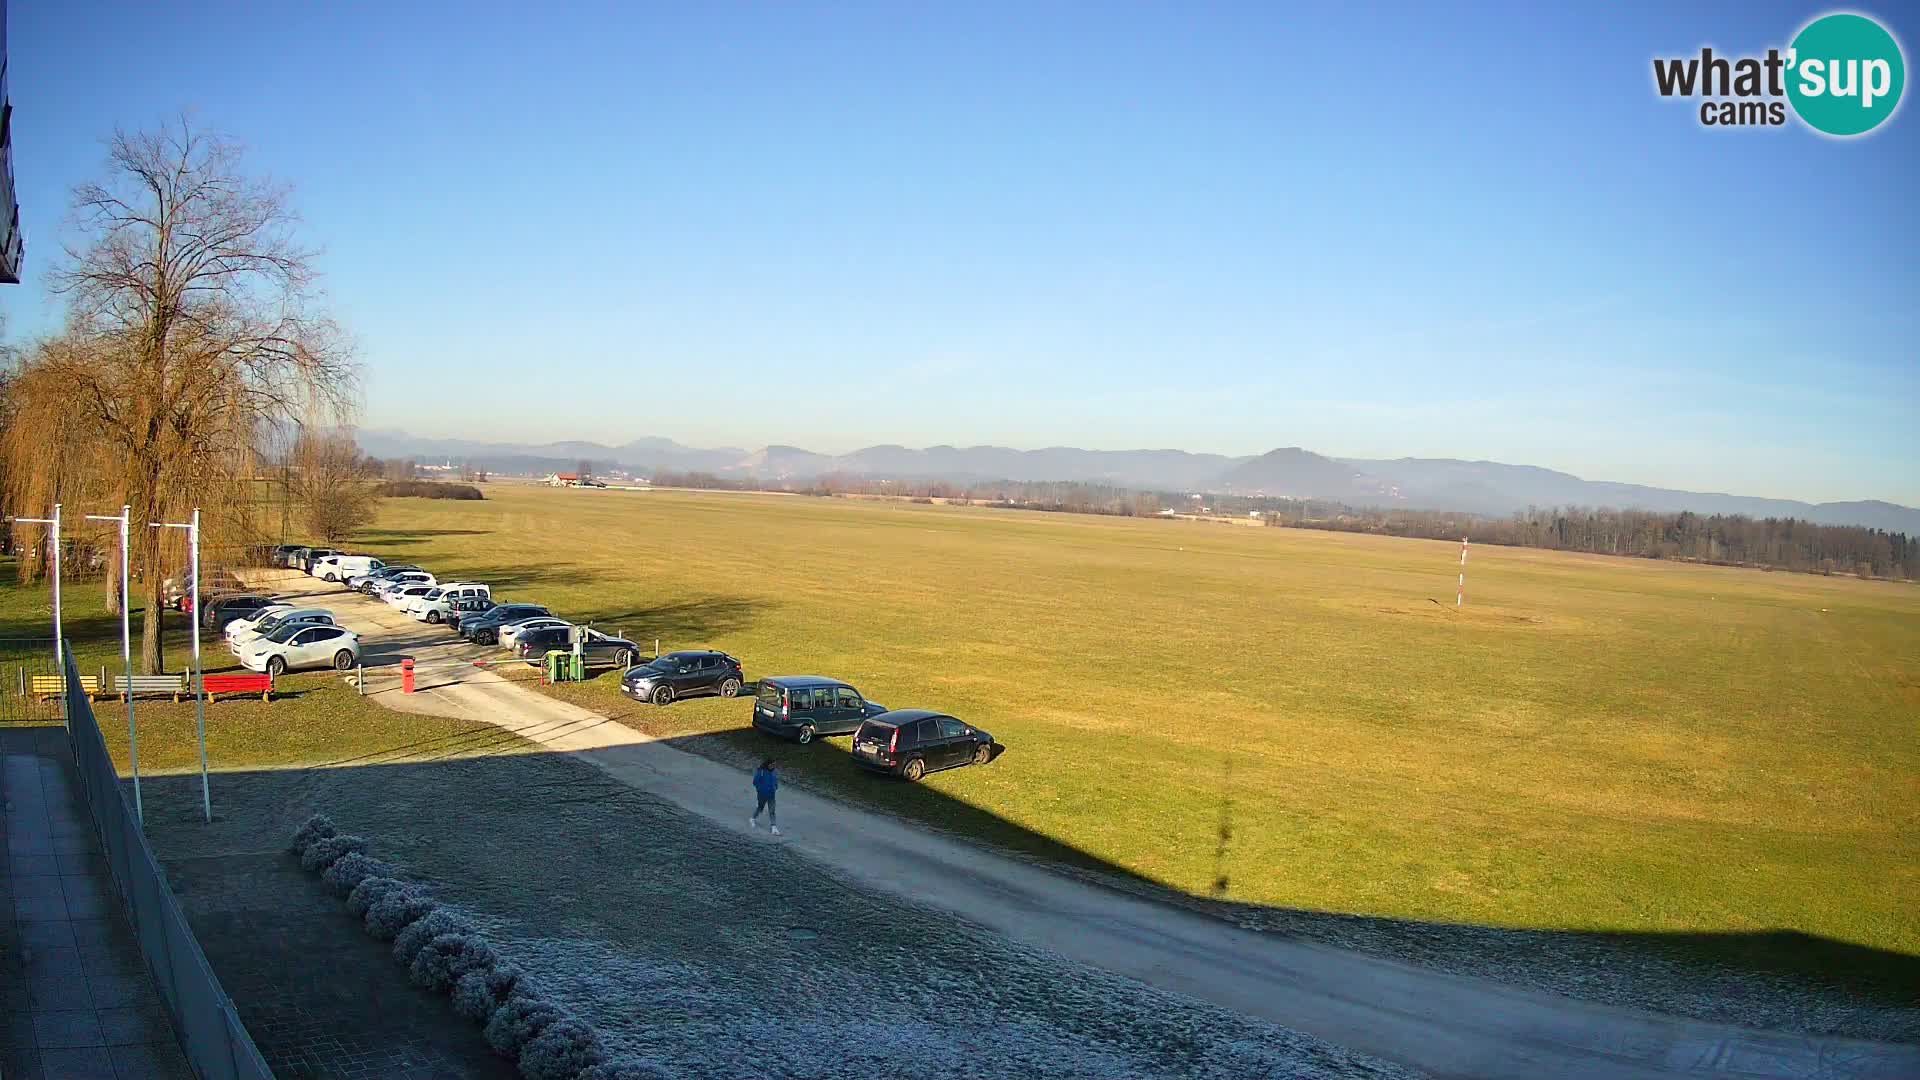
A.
pixel 1445 1024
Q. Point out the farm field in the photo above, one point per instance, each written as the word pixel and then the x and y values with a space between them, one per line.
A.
pixel 1286 718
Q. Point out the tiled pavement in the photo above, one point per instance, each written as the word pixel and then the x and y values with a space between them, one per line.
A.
pixel 76 1002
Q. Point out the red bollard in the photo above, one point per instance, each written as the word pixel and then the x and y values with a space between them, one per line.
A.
pixel 406 675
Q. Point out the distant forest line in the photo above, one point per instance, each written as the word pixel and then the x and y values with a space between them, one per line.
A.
pixel 1717 539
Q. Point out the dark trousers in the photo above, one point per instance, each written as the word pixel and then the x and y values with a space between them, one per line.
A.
pixel 766 803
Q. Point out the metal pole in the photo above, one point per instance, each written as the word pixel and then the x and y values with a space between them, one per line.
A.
pixel 126 653
pixel 200 700
pixel 59 645
pixel 1460 596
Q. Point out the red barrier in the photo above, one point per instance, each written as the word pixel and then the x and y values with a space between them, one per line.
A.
pixel 406 675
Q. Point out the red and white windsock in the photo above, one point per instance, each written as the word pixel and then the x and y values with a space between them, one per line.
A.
pixel 1460 597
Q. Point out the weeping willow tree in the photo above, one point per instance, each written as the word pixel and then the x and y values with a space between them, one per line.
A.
pixel 189 338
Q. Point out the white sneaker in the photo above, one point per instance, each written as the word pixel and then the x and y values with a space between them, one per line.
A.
pixel 776 830
pixel 753 823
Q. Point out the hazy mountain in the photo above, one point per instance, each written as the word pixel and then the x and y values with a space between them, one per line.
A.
pixel 1482 487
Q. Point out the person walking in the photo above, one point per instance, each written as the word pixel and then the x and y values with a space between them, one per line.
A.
pixel 766 782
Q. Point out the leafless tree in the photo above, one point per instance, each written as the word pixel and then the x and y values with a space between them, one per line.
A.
pixel 335 485
pixel 189 337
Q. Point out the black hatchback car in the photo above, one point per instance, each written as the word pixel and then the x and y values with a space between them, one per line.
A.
pixel 798 707
pixel 596 649
pixel 910 743
pixel 683 674
pixel 215 614
pixel 484 629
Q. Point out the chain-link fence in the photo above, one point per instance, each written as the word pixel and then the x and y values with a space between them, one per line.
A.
pixel 217 1045
pixel 31 690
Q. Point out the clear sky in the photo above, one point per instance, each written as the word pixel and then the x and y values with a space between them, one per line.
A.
pixel 1367 230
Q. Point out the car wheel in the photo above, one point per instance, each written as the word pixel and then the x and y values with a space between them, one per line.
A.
pixel 276 666
pixel 343 660
pixel 913 770
pixel 330 576
pixel 662 695
pixel 730 687
pixel 806 734
pixel 433 617
pixel 624 658
pixel 982 754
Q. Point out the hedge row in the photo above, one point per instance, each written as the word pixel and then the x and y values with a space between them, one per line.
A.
pixel 443 952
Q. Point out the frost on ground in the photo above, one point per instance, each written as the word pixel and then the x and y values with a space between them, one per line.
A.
pixel 724 955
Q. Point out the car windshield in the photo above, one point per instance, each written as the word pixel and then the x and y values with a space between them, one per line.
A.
pixel 433 594
pixel 286 630
pixel 769 696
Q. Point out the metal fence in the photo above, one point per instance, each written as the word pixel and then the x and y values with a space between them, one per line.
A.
pixel 216 1044
pixel 30 687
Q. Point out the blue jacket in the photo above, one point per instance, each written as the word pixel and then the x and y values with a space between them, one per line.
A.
pixel 766 782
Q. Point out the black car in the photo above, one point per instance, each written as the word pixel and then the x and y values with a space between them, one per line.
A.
pixel 280 553
pixel 798 707
pixel 485 630
pixel 471 607
pixel 596 649
pixel 910 743
pixel 370 583
pixel 683 674
pixel 216 613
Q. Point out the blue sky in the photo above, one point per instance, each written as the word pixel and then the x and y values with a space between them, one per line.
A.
pixel 1367 230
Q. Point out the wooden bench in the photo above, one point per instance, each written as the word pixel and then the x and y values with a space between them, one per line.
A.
pixel 215 685
pixel 171 685
pixel 52 686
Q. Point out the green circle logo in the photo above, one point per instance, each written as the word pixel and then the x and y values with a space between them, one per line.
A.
pixel 1845 74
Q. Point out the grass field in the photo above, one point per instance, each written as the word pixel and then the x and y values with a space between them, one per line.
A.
pixel 1592 744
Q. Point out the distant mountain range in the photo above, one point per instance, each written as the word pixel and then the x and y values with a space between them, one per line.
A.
pixel 1480 487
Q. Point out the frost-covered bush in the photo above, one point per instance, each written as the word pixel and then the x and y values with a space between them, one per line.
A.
pixel 369 892
pixel 322 853
pixel 317 827
pixel 479 992
pixel 626 1069
pixel 519 1020
pixel 408 943
pixel 350 870
pixel 397 910
pixel 441 962
pixel 560 1051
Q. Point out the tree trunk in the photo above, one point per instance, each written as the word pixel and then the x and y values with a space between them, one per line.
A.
pixel 152 660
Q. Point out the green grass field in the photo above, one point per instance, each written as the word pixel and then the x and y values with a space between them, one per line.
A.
pixel 1592 744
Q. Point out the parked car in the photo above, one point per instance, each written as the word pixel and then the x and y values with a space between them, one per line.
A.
pixel 466 609
pixel 294 555
pixel 485 630
pixel 401 581
pixel 403 594
pixel 367 583
pixel 435 606
pixel 305 557
pixel 683 674
pixel 799 707
pixel 596 649
pixel 278 556
pixel 302 645
pixel 253 618
pixel 221 610
pixel 344 567
pixel 511 630
pixel 910 743
pixel 237 643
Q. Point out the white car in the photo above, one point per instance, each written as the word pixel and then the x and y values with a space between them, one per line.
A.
pixel 253 618
pixel 343 567
pixel 237 644
pixel 510 631
pixel 403 595
pixel 401 581
pixel 298 645
pixel 436 605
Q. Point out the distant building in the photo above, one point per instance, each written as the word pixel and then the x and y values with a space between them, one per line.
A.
pixel 565 479
pixel 12 246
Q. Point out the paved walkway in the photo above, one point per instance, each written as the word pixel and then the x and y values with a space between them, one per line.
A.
pixel 76 1002
pixel 1449 1025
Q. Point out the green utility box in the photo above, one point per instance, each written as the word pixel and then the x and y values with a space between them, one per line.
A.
pixel 563 666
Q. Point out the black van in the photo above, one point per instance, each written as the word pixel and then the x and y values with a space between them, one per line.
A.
pixel 910 743
pixel 798 707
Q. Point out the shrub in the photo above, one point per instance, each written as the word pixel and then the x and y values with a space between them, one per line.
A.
pixel 428 489
pixel 349 870
pixel 397 910
pixel 369 892
pixel 441 962
pixel 560 1051
pixel 519 1020
pixel 408 943
pixel 626 1069
pixel 317 827
pixel 479 992
pixel 321 853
